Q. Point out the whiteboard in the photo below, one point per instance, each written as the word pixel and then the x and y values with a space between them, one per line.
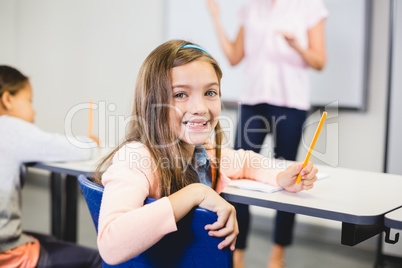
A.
pixel 344 78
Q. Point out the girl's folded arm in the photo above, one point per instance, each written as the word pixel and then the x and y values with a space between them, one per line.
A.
pixel 127 227
pixel 198 194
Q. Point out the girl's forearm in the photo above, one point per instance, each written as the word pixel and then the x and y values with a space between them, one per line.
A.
pixel 185 199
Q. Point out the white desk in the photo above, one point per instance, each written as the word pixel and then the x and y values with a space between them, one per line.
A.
pixel 71 168
pixel 394 219
pixel 358 199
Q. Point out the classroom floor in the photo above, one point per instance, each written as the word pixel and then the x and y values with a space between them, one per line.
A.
pixel 304 253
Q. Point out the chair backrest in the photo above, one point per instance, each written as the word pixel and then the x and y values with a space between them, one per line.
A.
pixel 23 174
pixel 190 246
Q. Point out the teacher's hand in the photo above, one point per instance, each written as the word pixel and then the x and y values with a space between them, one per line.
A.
pixel 213 8
pixel 290 39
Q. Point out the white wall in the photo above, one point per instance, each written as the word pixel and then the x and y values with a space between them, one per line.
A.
pixel 75 50
pixel 395 117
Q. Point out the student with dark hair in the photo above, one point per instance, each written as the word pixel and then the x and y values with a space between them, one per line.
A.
pixel 22 141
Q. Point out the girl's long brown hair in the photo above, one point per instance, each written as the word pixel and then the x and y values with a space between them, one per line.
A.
pixel 153 95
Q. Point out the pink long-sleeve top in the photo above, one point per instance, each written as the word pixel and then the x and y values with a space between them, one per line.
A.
pixel 127 227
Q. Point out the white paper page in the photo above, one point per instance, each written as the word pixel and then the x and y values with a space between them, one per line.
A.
pixel 262 187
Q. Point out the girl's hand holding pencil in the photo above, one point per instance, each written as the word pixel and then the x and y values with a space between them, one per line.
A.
pixel 287 178
pixel 306 173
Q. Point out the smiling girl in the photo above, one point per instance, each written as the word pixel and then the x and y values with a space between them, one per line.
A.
pixel 173 154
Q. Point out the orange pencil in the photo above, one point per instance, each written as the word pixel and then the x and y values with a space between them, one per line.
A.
pixel 90 119
pixel 317 132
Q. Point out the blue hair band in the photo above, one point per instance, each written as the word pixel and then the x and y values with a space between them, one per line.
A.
pixel 196 47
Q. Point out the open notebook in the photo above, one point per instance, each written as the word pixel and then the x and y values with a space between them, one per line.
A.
pixel 262 187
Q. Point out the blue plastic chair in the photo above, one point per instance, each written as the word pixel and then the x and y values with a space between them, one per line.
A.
pixel 190 246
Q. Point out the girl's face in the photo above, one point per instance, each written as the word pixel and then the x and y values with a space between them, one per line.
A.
pixel 196 101
pixel 21 104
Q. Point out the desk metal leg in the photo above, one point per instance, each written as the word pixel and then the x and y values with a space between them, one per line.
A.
pixel 56 205
pixel 385 260
pixel 70 221
pixel 379 260
pixel 353 234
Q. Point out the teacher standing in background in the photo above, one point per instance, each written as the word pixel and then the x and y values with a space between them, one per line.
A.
pixel 278 41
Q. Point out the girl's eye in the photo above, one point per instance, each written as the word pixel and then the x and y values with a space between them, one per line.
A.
pixel 180 95
pixel 211 93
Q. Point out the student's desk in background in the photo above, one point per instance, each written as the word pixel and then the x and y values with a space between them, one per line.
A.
pixel 64 195
pixel 393 219
pixel 358 199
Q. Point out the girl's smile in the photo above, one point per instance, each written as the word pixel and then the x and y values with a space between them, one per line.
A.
pixel 196 124
pixel 196 101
